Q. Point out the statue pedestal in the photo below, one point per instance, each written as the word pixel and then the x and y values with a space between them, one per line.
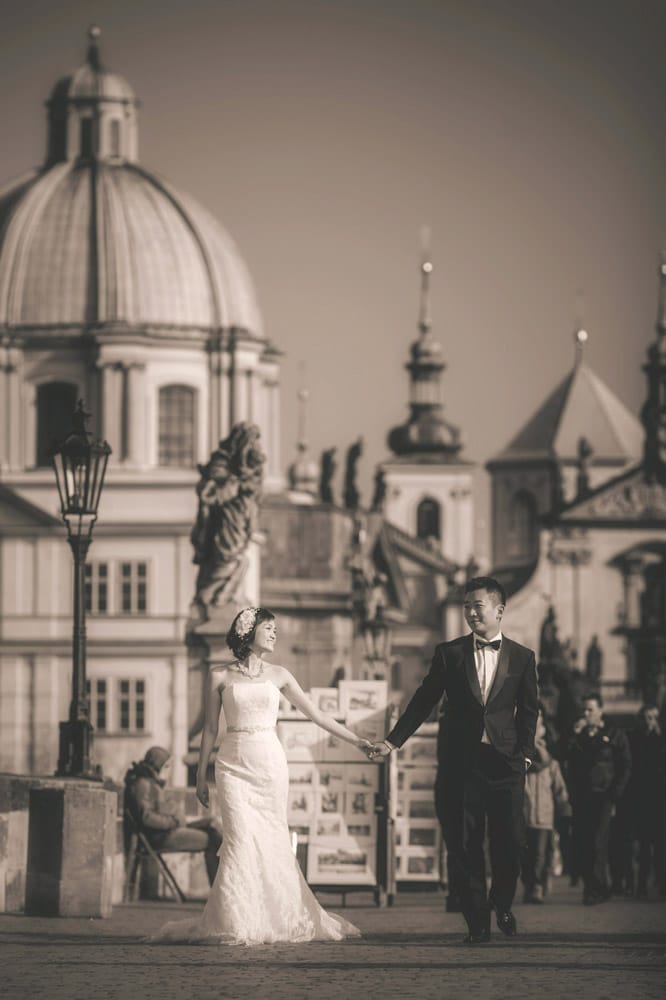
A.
pixel 71 846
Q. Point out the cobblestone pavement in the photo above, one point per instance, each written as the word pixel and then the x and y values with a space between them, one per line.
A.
pixel 412 950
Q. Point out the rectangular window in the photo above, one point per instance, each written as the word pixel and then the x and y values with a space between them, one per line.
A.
pixel 98 705
pixel 131 705
pixel 97 588
pixel 177 408
pixel 133 588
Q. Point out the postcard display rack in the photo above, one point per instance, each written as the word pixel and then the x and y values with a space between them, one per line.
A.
pixel 418 841
pixel 338 799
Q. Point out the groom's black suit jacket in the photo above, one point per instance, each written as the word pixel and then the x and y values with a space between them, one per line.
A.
pixel 509 715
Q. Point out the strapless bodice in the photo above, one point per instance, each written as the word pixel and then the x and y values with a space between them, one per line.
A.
pixel 250 707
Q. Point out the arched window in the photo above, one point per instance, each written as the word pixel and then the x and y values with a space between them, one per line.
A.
pixel 56 402
pixel 177 426
pixel 428 519
pixel 114 126
pixel 87 138
pixel 522 535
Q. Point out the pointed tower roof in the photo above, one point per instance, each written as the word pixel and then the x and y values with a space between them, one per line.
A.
pixel 580 405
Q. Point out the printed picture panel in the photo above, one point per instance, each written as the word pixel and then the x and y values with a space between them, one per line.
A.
pixel 300 807
pixel 331 777
pixel 417 865
pixel 362 777
pixel 329 828
pixel 303 774
pixel 302 741
pixel 419 779
pixel 326 700
pixel 330 801
pixel 359 805
pixel 346 863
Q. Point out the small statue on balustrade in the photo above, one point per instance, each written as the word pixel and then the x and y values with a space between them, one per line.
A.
pixel 328 467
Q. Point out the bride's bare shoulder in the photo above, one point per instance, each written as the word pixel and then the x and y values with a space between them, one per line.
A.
pixel 218 671
pixel 280 674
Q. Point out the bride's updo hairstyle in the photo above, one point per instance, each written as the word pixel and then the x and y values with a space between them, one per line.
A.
pixel 243 630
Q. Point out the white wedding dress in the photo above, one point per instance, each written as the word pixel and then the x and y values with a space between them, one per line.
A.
pixel 259 894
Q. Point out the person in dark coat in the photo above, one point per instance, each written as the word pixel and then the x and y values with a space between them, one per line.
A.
pixel 144 800
pixel 646 797
pixel 488 725
pixel 598 768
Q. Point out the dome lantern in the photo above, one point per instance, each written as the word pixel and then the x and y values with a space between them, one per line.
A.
pixel 92 114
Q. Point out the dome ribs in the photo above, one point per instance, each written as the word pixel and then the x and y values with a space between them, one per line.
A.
pixel 216 310
pixel 21 236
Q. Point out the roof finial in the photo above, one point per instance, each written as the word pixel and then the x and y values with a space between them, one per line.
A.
pixel 303 396
pixel 94 60
pixel 425 321
pixel 580 338
pixel 303 473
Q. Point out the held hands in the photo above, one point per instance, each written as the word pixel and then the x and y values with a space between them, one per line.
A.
pixel 364 745
pixel 377 751
pixel 203 794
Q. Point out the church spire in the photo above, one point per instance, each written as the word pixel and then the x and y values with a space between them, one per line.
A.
pixel 425 321
pixel 426 431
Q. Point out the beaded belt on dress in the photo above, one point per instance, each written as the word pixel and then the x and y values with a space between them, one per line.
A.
pixel 249 729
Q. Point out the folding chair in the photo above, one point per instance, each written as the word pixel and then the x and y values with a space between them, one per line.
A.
pixel 139 849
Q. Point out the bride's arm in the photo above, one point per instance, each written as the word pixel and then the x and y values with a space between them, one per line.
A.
pixel 293 691
pixel 212 703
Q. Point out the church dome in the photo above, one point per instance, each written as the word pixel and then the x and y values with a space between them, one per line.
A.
pixel 93 238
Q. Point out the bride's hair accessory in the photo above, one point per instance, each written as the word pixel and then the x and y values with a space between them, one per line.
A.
pixel 246 621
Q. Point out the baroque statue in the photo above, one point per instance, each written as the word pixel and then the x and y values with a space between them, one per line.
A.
pixel 352 496
pixel 327 471
pixel 229 490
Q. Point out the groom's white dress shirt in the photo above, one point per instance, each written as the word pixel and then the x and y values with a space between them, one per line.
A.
pixel 486 659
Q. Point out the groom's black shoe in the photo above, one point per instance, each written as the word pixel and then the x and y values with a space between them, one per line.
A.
pixel 482 937
pixel 478 934
pixel 506 922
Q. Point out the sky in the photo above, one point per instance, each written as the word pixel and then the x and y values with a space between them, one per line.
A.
pixel 324 134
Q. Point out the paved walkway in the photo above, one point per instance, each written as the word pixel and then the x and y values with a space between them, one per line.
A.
pixel 410 951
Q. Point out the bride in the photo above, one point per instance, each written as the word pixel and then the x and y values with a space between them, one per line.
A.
pixel 259 894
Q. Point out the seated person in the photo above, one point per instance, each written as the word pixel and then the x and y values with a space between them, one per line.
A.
pixel 144 785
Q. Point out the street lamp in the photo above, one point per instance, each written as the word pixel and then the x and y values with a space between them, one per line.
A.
pixel 80 465
pixel 377 635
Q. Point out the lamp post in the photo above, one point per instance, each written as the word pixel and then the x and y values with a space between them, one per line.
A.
pixel 377 635
pixel 80 465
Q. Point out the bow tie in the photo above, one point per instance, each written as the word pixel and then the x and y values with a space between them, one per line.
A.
pixel 482 644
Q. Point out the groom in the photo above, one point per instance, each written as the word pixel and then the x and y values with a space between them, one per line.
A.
pixel 487 744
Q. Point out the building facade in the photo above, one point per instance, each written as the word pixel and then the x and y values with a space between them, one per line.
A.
pixel 118 289
pixel 599 555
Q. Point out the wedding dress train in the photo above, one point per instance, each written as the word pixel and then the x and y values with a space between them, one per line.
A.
pixel 259 894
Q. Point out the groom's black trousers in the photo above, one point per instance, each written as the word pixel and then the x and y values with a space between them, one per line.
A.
pixel 487 793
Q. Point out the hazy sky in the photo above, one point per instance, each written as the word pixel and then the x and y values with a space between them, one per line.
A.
pixel 529 135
